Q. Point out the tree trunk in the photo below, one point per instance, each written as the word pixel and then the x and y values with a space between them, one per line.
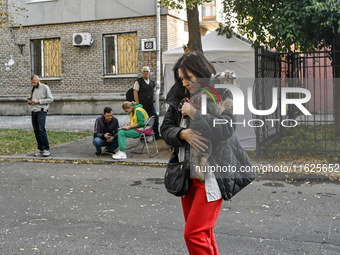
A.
pixel 336 65
pixel 195 43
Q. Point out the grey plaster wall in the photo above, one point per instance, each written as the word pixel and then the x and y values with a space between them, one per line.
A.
pixel 64 11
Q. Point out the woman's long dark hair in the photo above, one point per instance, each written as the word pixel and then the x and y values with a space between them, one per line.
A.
pixel 196 63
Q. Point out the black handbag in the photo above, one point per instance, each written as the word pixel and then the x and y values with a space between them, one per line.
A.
pixel 177 175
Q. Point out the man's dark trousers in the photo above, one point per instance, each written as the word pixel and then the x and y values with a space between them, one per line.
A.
pixel 38 123
pixel 99 143
pixel 150 109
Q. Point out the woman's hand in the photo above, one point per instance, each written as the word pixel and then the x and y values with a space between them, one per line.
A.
pixel 194 138
pixel 128 126
pixel 188 109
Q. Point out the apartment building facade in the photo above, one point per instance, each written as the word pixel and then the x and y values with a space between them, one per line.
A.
pixel 89 52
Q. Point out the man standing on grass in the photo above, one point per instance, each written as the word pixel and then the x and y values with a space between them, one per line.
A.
pixel 39 100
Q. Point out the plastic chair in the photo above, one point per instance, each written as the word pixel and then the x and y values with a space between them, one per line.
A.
pixel 148 124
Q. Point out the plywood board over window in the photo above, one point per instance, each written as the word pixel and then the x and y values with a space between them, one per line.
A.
pixel 127 53
pixel 52 58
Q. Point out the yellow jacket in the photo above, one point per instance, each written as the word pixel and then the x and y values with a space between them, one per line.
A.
pixel 134 118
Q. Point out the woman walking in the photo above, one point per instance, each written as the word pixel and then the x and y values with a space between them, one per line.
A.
pixel 184 124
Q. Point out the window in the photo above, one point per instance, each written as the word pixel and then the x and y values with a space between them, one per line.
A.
pixel 46 58
pixel 120 54
pixel 208 10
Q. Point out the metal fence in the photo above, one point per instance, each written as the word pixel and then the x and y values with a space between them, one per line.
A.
pixel 295 131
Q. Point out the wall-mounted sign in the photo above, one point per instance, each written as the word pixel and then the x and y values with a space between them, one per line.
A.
pixel 149 44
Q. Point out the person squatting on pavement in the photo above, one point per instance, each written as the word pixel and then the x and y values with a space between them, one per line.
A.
pixel 105 132
pixel 184 124
pixel 138 116
pixel 144 93
pixel 39 100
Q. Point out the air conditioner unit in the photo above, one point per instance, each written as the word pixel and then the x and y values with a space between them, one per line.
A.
pixel 82 39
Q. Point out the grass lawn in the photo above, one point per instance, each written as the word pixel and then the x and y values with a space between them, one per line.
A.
pixel 17 141
pixel 300 142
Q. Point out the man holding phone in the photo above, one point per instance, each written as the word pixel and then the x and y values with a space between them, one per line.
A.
pixel 39 100
pixel 105 132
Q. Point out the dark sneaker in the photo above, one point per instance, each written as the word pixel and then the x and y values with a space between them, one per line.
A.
pixel 98 154
pixel 108 151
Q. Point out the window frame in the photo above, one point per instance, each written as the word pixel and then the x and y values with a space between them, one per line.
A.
pixel 105 55
pixel 33 59
pixel 212 4
pixel 117 74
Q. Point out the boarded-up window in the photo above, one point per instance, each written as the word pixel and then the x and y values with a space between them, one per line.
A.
pixel 46 58
pixel 120 54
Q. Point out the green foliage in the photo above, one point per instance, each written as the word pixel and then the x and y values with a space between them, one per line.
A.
pixel 303 140
pixel 190 6
pixel 181 4
pixel 6 16
pixel 310 137
pixel 16 141
pixel 307 24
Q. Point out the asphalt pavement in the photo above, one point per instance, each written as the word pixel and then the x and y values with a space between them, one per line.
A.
pixel 64 208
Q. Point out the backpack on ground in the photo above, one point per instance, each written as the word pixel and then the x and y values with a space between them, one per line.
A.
pixel 129 95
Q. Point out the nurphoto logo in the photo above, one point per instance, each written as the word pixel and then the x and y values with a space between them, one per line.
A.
pixel 238 104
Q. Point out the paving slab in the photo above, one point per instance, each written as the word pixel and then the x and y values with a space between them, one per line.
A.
pixel 85 150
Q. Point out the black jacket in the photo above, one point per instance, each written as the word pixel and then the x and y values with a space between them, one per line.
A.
pixel 101 127
pixel 145 92
pixel 226 149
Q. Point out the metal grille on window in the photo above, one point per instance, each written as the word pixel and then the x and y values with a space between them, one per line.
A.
pixel 110 55
pixel 36 57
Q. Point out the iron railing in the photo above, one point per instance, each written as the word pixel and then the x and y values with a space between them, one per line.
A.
pixel 295 131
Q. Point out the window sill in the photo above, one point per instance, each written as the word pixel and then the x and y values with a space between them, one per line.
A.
pixel 50 78
pixel 117 76
pixel 39 1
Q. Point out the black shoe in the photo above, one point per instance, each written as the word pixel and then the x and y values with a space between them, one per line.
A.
pixel 157 137
pixel 98 154
pixel 108 151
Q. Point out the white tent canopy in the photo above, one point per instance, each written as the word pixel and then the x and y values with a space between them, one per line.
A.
pixel 217 48
pixel 235 54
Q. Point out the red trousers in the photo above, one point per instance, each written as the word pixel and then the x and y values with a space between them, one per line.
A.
pixel 200 218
